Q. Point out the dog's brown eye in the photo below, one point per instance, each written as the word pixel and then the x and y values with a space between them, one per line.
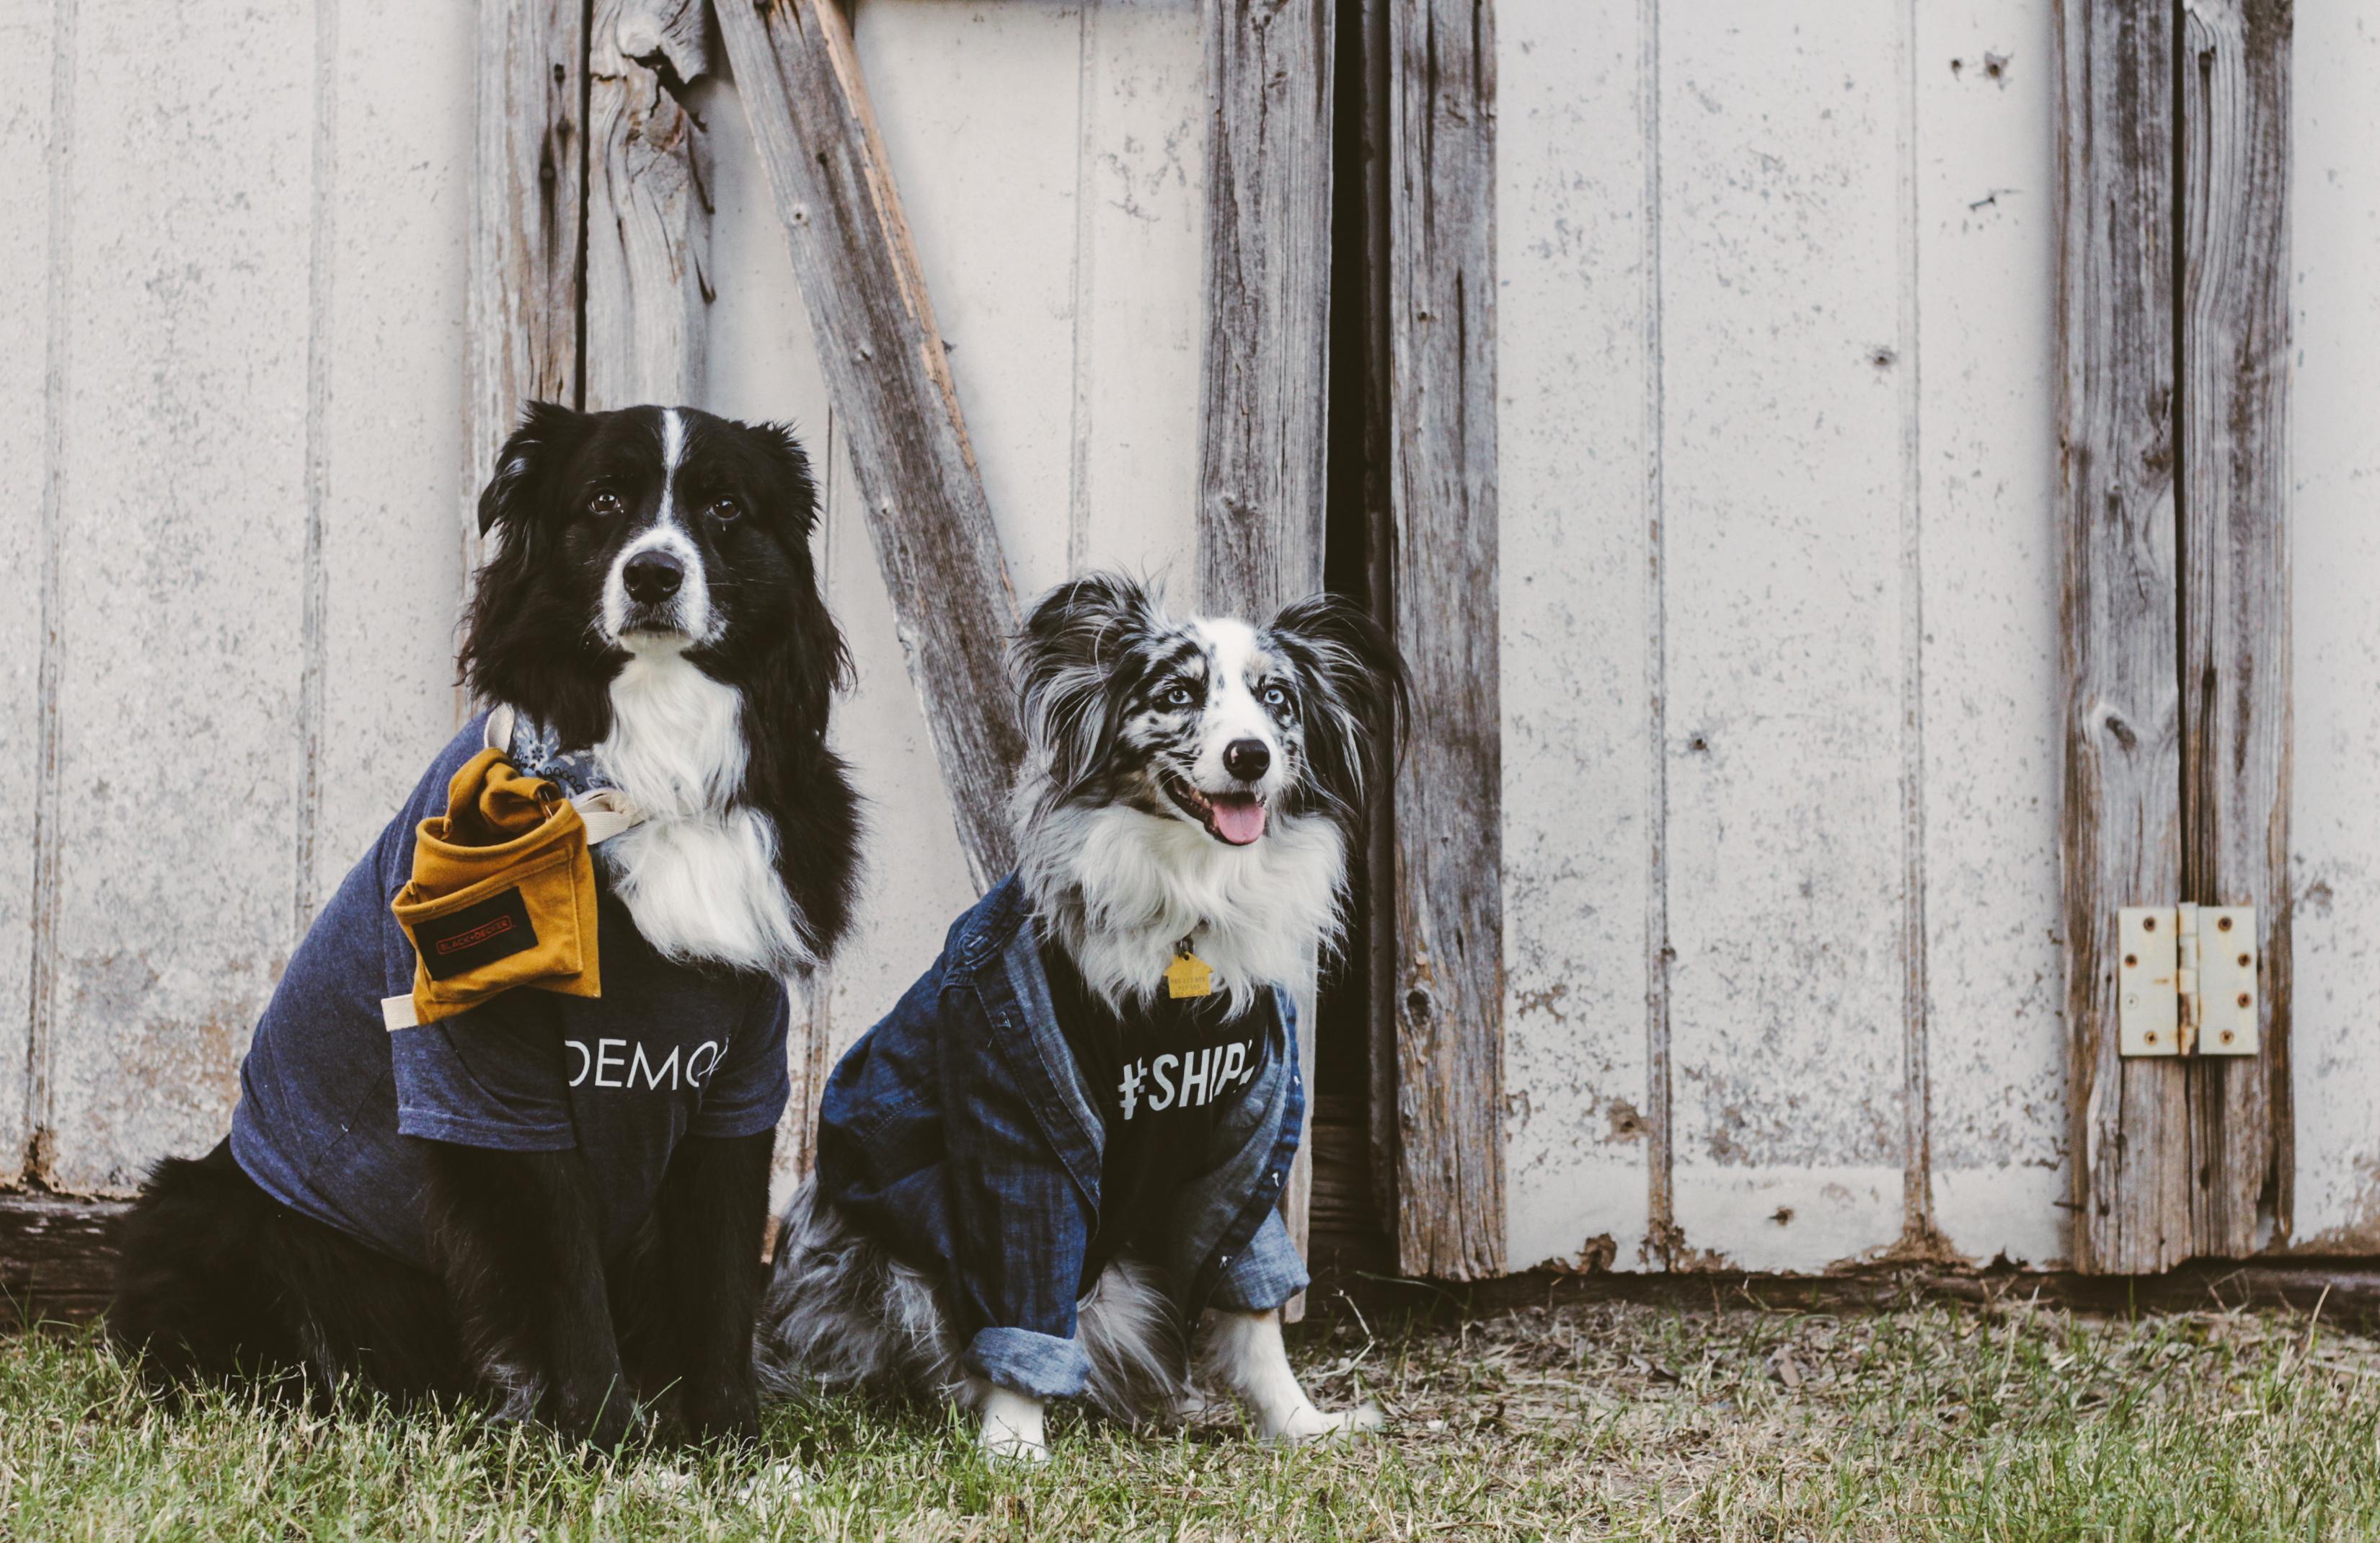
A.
pixel 606 505
pixel 725 510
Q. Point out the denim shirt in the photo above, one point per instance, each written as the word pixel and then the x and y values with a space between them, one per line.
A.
pixel 959 1130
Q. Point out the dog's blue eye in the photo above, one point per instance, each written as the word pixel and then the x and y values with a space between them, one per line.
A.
pixel 724 510
pixel 1176 696
pixel 606 505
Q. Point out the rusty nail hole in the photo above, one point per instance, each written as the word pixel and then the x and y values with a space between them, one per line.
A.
pixel 2148 924
pixel 2130 960
pixel 2150 1037
pixel 2243 999
pixel 2223 924
pixel 2244 961
pixel 2227 1035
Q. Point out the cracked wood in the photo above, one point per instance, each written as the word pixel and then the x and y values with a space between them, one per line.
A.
pixel 2235 582
pixel 1440 314
pixel 647 206
pixel 1266 363
pixel 528 228
pixel 2122 812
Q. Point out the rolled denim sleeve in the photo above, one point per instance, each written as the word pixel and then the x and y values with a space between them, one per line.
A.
pixel 1264 1274
pixel 1028 1362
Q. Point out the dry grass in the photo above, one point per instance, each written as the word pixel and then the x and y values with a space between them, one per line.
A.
pixel 1590 1422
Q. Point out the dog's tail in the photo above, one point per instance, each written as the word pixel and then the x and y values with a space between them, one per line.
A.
pixel 843 1313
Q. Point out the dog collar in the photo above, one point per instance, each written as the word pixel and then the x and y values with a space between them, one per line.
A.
pixel 536 751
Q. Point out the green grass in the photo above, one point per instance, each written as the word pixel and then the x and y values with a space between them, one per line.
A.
pixel 1590 1422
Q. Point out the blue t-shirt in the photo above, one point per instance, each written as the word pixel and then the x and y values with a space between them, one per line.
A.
pixel 326 1092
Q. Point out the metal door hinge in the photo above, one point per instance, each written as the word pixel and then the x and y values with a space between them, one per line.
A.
pixel 2186 980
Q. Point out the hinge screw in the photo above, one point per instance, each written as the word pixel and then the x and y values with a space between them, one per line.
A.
pixel 2227 1035
pixel 2243 999
pixel 2223 924
pixel 2148 924
pixel 2244 961
pixel 2131 960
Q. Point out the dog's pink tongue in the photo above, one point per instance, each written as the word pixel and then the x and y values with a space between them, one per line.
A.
pixel 1239 821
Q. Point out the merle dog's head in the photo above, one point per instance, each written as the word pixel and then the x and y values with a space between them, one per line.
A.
pixel 1220 724
pixel 647 527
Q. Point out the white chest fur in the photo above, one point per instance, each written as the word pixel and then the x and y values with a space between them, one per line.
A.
pixel 1126 886
pixel 700 874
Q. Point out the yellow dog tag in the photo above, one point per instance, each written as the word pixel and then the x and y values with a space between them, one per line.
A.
pixel 1188 976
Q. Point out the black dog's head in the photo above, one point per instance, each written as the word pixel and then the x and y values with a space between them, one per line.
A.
pixel 1211 721
pixel 648 526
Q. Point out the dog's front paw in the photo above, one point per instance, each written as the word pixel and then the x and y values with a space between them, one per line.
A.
pixel 1014 1451
pixel 1011 1429
pixel 729 1414
pixel 603 1421
pixel 1310 1424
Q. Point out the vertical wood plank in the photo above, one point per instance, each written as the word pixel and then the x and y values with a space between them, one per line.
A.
pixel 647 205
pixel 1265 367
pixel 1440 295
pixel 2235 582
pixel 799 81
pixel 1139 308
pixel 2333 821
pixel 978 108
pixel 1573 292
pixel 36 44
pixel 528 227
pixel 1785 462
pixel 2123 817
pixel 1268 265
pixel 181 499
pixel 386 414
pixel 1988 350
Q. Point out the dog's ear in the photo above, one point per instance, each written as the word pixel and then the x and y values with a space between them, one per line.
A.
pixel 1069 662
pixel 1354 691
pixel 795 491
pixel 548 431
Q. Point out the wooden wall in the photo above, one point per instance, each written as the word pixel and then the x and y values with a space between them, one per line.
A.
pixel 1779 615
pixel 1778 560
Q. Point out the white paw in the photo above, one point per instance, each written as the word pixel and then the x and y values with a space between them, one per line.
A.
pixel 778 1483
pixel 1310 1424
pixel 1013 1450
pixel 1011 1428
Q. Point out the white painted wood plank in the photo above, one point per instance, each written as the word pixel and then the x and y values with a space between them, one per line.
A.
pixel 2334 818
pixel 30 49
pixel 1988 356
pixel 1139 295
pixel 1781 200
pixel 388 417
pixel 916 882
pixel 184 484
pixel 1573 378
pixel 977 105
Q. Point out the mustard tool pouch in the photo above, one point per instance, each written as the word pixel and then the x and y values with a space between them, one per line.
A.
pixel 502 893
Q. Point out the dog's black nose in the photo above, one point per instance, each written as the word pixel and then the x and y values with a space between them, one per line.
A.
pixel 652 577
pixel 1246 758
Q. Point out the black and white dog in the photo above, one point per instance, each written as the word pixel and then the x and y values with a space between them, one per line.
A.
pixel 1191 788
pixel 555 1201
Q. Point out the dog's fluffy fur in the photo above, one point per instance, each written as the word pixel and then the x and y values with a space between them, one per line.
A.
pixel 651 600
pixel 1189 778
